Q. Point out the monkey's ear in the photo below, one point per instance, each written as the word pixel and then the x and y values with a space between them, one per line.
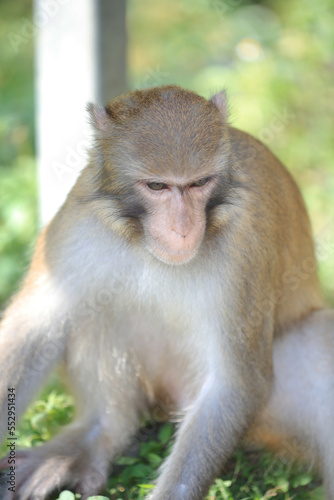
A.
pixel 99 117
pixel 220 102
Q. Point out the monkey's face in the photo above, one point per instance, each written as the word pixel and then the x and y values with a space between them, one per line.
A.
pixel 175 219
pixel 164 154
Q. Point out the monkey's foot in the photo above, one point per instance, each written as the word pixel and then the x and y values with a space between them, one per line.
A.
pixel 37 474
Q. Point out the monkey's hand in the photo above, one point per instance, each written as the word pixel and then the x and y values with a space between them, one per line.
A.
pixel 67 460
pixel 34 478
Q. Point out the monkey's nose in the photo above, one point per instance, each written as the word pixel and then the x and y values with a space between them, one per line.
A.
pixel 180 232
pixel 181 227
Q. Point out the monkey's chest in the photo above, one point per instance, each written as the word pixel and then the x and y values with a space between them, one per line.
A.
pixel 166 355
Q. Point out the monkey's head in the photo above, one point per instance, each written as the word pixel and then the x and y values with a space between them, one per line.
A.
pixel 162 160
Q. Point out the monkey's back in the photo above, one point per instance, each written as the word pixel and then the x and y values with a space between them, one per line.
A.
pixel 282 222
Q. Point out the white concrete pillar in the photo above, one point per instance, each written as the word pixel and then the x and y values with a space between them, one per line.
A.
pixel 80 57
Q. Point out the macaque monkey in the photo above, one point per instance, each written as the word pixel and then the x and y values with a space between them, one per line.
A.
pixel 179 273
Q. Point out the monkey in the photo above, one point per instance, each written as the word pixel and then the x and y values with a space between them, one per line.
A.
pixel 180 273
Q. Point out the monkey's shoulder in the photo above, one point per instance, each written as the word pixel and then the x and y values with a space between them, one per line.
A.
pixel 259 167
pixel 247 147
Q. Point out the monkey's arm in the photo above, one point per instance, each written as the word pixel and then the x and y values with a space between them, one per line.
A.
pixel 206 438
pixel 236 387
pixel 33 336
pixel 44 324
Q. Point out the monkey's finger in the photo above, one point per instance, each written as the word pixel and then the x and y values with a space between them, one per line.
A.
pixel 9 495
pixel 5 493
pixel 20 457
pixel 4 463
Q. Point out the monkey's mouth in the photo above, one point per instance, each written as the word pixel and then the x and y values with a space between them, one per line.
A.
pixel 172 257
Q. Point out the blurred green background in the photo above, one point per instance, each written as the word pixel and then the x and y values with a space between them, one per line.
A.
pixel 275 58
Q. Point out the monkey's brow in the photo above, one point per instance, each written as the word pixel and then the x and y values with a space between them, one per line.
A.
pixel 179 184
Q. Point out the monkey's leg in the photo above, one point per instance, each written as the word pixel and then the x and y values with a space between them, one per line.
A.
pixel 299 418
pixel 33 336
pixel 31 341
pixel 79 457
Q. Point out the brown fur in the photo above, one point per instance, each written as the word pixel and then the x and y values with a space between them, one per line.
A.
pixel 199 297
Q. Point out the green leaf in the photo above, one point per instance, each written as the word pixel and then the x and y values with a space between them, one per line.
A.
pixel 317 494
pixel 98 498
pixel 301 480
pixel 127 461
pixel 66 495
pixel 146 486
pixel 154 459
pixel 283 484
pixel 165 433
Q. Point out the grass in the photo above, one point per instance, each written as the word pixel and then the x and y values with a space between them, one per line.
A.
pixel 248 475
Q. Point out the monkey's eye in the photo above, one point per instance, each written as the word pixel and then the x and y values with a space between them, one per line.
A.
pixel 200 182
pixel 156 186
